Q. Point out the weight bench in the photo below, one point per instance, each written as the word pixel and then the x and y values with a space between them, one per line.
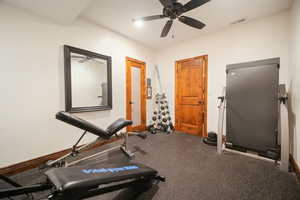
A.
pixel 87 181
pixel 104 135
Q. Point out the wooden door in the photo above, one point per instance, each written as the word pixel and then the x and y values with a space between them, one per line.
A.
pixel 191 96
pixel 136 94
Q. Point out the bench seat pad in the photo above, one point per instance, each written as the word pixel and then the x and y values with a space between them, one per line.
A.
pixel 73 178
pixel 87 126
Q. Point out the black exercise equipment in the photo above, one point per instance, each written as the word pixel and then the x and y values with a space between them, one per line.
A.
pixel 211 139
pixel 255 103
pixel 87 181
pixel 252 106
pixel 161 108
pixel 161 116
pixel 110 132
pixel 89 127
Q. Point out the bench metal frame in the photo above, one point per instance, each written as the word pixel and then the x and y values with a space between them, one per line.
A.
pixel 18 189
pixel 61 162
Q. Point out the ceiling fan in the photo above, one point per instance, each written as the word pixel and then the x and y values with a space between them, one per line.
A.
pixel 173 10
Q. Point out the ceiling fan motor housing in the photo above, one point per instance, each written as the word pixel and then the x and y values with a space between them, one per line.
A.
pixel 173 12
pixel 173 9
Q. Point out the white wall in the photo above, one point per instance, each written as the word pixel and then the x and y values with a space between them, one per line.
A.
pixel 295 80
pixel 32 82
pixel 255 40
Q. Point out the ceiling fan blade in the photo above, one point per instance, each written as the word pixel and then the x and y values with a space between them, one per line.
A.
pixel 167 3
pixel 150 18
pixel 193 4
pixel 166 28
pixel 191 22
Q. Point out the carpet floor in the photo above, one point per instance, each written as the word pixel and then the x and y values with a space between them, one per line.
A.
pixel 194 171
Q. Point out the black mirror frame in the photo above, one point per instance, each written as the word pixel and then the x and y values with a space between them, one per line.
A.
pixel 68 84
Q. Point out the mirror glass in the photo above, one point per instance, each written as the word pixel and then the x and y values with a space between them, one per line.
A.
pixel 89 81
pixel 88 84
pixel 136 94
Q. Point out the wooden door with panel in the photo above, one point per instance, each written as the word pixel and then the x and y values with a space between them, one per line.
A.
pixel 191 96
pixel 136 94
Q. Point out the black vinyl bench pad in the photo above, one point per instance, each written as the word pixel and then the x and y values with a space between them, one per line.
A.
pixel 72 178
pixel 87 126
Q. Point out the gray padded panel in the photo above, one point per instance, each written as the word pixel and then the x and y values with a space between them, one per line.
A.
pixel 252 105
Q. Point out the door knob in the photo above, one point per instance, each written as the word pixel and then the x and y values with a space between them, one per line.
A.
pixel 130 102
pixel 201 102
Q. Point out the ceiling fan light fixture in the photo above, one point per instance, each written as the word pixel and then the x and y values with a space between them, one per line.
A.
pixel 138 23
pixel 173 9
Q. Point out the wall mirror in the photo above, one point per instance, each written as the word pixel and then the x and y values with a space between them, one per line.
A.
pixel 88 84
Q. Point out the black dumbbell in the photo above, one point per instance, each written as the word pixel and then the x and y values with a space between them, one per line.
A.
pixel 153 130
pixel 165 127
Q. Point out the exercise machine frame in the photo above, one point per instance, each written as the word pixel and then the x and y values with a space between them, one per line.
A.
pixel 82 182
pixel 61 162
pixel 282 129
pixel 110 133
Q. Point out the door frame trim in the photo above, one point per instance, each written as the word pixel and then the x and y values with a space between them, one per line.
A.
pixel 143 93
pixel 205 80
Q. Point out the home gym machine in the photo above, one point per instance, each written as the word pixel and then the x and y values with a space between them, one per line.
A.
pixel 80 182
pixel 103 135
pixel 256 110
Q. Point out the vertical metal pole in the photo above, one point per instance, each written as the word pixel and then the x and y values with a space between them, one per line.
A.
pixel 126 140
pixel 221 108
pixel 158 78
pixel 284 130
pixel 124 147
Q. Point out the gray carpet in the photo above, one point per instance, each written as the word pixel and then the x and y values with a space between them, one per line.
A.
pixel 194 171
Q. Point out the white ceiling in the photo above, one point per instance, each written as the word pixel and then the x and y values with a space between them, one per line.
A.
pixel 62 11
pixel 117 15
